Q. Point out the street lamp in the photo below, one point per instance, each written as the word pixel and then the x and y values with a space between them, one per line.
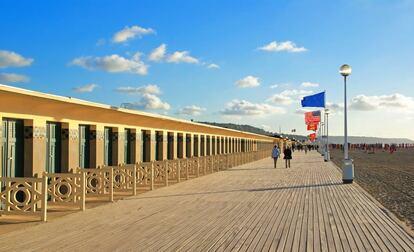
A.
pixel 327 156
pixel 348 166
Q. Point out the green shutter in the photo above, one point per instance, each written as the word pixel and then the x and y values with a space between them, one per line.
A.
pixel 108 146
pixel 12 148
pixel 53 147
pixel 127 146
pixel 83 146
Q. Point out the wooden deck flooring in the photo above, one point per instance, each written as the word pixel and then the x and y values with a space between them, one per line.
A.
pixel 248 208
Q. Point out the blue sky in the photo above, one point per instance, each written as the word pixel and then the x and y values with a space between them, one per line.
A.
pixel 64 45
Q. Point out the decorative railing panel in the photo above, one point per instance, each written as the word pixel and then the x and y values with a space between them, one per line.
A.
pixel 193 166
pixel 173 169
pixel 144 175
pixel 99 182
pixel 23 196
pixel 160 173
pixel 125 179
pixel 66 189
pixel 209 164
pixel 216 163
pixel 202 165
pixel 183 166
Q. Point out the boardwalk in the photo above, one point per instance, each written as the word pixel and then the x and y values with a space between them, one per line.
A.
pixel 248 208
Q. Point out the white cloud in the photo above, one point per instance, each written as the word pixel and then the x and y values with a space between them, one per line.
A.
pixel 148 89
pixel 192 110
pixel 287 46
pixel 131 32
pixel 246 108
pixel 280 99
pixel 395 102
pixel 309 84
pixel 13 78
pixel 274 86
pixel 289 96
pixel 153 102
pixel 12 59
pixel 182 57
pixel 213 66
pixel 248 82
pixel 113 64
pixel 266 127
pixel 85 88
pixel 158 53
pixel 149 99
pixel 335 108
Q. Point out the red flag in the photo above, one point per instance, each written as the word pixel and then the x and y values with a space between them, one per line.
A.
pixel 313 126
pixel 313 117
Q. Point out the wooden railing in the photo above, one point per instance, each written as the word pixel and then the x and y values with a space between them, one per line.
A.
pixel 33 196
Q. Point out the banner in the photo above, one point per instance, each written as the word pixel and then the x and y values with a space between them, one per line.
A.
pixel 316 100
pixel 313 126
pixel 313 117
pixel 312 137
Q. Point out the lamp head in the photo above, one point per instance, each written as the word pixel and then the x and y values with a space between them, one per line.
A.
pixel 345 70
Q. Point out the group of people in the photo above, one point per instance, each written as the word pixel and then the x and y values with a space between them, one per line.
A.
pixel 287 155
pixel 287 152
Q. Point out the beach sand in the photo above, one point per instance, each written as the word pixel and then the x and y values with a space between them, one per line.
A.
pixel 387 177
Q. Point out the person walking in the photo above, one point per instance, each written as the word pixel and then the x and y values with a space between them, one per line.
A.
pixel 287 156
pixel 275 154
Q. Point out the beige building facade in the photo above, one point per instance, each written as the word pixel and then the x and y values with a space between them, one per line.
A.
pixel 42 132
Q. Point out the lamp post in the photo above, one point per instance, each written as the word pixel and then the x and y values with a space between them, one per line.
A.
pixel 322 150
pixel 348 166
pixel 327 155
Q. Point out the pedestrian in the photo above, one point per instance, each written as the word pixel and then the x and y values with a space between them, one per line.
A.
pixel 306 149
pixel 287 156
pixel 275 154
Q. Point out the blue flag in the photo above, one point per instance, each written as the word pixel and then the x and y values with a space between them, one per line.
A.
pixel 316 100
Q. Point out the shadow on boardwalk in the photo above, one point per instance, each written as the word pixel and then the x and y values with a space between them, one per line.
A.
pixel 240 190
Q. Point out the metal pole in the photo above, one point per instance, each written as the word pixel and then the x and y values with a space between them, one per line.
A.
pixel 327 133
pixel 322 133
pixel 345 124
pixel 327 155
pixel 348 166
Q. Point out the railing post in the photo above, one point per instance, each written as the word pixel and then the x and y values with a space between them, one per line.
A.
pixel 111 184
pixel 134 178
pixel 83 190
pixel 152 175
pixel 178 171
pixel 166 172
pixel 187 176
pixel 198 167
pixel 44 199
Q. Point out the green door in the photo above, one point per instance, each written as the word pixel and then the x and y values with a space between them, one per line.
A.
pixel 108 146
pixel 53 153
pixel 83 146
pixel 12 148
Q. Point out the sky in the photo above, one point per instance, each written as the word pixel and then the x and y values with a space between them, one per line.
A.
pixel 244 62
